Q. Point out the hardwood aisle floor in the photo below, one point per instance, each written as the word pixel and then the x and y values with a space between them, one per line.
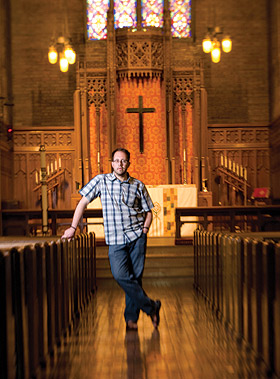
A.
pixel 190 342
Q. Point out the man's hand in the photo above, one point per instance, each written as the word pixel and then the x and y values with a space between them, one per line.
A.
pixel 69 233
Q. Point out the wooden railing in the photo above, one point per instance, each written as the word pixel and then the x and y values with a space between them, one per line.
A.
pixel 44 288
pixel 231 219
pixel 217 218
pixel 29 222
pixel 240 278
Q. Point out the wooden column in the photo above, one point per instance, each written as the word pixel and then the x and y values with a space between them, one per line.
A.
pixel 78 165
pixel 167 79
pixel 111 84
pixel 85 137
pixel 184 114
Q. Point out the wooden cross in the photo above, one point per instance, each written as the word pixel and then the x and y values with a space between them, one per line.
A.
pixel 141 110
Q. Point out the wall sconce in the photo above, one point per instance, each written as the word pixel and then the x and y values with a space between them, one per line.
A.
pixel 61 48
pixel 211 44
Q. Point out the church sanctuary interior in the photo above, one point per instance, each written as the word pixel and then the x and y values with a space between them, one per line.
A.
pixel 192 89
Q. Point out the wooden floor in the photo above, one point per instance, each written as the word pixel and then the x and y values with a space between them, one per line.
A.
pixel 190 342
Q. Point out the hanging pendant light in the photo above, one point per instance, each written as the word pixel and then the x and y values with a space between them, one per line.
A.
pixel 52 55
pixel 226 44
pixel 216 51
pixel 207 44
pixel 70 54
pixel 211 43
pixel 63 63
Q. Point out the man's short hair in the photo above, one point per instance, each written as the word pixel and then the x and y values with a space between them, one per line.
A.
pixel 124 151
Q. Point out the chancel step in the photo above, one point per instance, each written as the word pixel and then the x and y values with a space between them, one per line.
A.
pixel 161 261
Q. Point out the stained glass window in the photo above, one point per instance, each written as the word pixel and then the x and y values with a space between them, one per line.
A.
pixel 97 18
pixel 125 14
pixel 181 18
pixel 152 13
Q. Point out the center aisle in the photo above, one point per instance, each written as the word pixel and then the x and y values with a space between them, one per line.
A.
pixel 190 342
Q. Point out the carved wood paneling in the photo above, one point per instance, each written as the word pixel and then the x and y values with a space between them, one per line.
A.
pixel 60 145
pixel 97 91
pixel 246 145
pixel 139 54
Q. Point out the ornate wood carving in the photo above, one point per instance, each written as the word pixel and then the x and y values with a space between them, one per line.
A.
pixel 139 53
pixel 97 92
pixel 247 146
pixel 59 144
pixel 183 91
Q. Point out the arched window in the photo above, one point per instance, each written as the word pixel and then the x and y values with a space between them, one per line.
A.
pixel 125 14
pixel 152 13
pixel 180 18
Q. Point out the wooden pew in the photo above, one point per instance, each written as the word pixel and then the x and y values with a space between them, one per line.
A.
pixel 245 290
pixel 7 319
pixel 277 311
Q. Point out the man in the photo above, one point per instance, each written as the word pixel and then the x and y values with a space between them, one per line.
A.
pixel 127 217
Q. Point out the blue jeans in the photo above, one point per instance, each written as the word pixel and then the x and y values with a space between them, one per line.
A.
pixel 127 266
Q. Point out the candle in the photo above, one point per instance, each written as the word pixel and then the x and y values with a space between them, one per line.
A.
pixel 48 169
pixel 51 167
pixel 237 169
pixel 229 164
pixel 36 177
pixel 98 157
pixel 184 155
pixel 233 166
pixel 59 162
pixel 225 161
pixel 55 165
pixel 222 160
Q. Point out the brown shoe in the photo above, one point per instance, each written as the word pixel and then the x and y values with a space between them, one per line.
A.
pixel 130 325
pixel 155 315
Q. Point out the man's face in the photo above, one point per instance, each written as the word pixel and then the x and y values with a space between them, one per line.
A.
pixel 120 163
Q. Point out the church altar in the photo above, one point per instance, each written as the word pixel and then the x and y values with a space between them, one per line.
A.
pixel 166 199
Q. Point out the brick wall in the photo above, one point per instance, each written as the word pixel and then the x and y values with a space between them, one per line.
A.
pixel 237 86
pixel 42 94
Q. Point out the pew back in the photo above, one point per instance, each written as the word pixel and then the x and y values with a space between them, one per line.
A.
pixel 44 288
pixel 239 276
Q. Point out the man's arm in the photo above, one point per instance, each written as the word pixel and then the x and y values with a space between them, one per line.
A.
pixel 70 232
pixel 147 222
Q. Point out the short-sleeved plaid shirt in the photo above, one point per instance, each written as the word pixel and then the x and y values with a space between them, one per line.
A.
pixel 124 206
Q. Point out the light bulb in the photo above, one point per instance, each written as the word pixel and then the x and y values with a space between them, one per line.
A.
pixel 216 52
pixel 63 63
pixel 70 54
pixel 207 44
pixel 226 44
pixel 52 55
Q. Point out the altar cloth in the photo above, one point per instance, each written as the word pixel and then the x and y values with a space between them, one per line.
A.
pixel 166 199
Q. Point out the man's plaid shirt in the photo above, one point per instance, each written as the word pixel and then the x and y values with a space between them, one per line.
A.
pixel 124 206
